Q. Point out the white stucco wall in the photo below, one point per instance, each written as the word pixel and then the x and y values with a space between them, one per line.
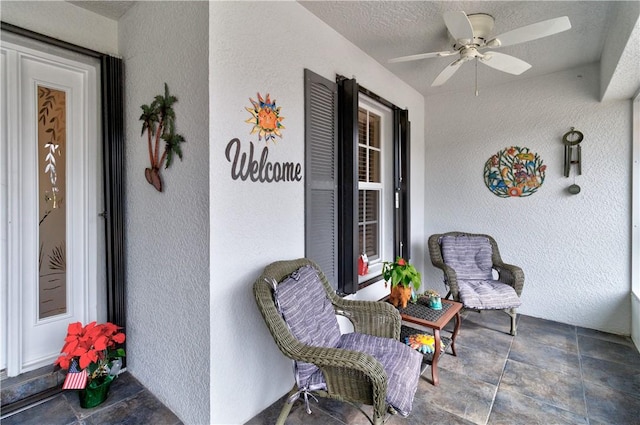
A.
pixel 620 60
pixel 264 47
pixel 63 21
pixel 574 249
pixel 167 237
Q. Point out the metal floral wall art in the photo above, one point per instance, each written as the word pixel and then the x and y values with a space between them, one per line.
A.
pixel 514 172
pixel 158 120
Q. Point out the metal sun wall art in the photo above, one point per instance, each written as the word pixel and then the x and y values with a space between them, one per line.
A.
pixel 514 172
pixel 265 118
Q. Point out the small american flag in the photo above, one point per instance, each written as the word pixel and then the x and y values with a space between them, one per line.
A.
pixel 76 379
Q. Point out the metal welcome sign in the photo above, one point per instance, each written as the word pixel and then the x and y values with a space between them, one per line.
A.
pixel 267 123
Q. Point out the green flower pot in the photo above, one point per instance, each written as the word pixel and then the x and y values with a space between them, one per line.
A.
pixel 95 394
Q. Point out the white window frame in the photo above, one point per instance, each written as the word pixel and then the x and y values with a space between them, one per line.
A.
pixel 385 187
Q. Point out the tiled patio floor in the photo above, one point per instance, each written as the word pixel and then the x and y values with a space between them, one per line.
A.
pixel 128 403
pixel 550 373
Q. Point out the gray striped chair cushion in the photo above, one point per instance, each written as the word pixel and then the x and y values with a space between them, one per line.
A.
pixel 401 363
pixel 305 307
pixel 487 294
pixel 469 256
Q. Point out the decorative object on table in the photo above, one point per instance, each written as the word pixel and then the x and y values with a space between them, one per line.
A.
pixel 424 343
pixel 434 301
pixel 265 118
pixel 403 277
pixel 92 359
pixel 570 139
pixel 158 120
pixel 514 172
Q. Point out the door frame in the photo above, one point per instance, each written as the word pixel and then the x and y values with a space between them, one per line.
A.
pixel 112 122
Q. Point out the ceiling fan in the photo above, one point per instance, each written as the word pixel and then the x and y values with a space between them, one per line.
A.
pixel 471 35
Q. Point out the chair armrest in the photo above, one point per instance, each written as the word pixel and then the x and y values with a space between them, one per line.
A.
pixel 376 318
pixel 511 275
pixel 352 374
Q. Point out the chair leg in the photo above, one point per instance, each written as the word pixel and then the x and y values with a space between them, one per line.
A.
pixel 512 312
pixel 288 404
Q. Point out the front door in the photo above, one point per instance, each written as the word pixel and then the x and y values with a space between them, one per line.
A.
pixel 51 197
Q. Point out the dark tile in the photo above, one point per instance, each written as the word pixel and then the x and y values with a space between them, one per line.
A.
pixel 495 320
pixel 30 383
pixel 426 413
pixel 474 336
pixel 325 411
pixel 512 408
pixel 142 409
pixel 554 388
pixel 123 387
pixel 55 411
pixel 602 349
pixel 529 351
pixel 619 376
pixel 548 333
pixel 592 333
pixel 608 406
pixel 475 363
pixel 458 394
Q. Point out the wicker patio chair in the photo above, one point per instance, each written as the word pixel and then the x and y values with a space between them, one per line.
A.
pixel 468 272
pixel 350 376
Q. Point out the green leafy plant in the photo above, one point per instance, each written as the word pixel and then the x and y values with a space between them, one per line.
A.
pixel 401 273
pixel 158 120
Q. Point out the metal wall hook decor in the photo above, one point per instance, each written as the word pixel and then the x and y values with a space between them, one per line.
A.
pixel 570 139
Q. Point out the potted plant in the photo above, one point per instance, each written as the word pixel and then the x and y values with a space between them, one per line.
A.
pixel 92 359
pixel 403 277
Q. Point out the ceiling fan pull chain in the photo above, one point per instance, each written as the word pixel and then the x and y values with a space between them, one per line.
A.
pixel 476 76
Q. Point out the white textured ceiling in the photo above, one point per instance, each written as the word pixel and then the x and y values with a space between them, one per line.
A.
pixel 388 29
pixel 109 9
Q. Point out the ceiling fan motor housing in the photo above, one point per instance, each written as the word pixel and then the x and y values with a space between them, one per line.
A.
pixel 482 24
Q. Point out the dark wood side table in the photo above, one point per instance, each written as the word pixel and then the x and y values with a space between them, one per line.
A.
pixel 419 317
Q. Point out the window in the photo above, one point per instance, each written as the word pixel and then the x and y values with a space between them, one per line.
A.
pixel 356 186
pixel 375 185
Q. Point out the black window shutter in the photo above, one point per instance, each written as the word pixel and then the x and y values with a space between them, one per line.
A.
pixel 348 188
pixel 402 136
pixel 321 173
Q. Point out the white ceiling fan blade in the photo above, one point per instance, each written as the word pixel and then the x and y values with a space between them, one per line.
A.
pixel 505 63
pixel 422 56
pixel 459 26
pixel 531 32
pixel 447 73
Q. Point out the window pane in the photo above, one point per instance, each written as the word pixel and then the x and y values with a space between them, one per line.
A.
pixel 362 126
pixel 371 205
pixel 374 130
pixel 362 164
pixel 371 240
pixel 374 166
pixel 368 222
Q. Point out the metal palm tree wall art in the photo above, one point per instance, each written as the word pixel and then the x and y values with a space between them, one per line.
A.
pixel 158 120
